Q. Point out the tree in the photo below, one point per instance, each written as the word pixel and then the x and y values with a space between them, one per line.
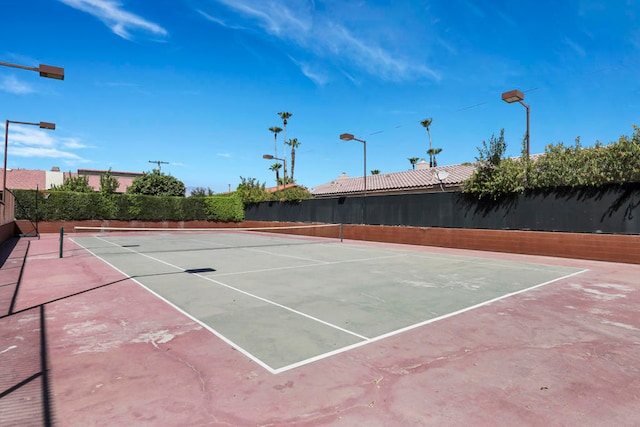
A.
pixel 108 183
pixel 426 123
pixel 77 184
pixel 293 143
pixel 276 167
pixel 433 152
pixel 413 161
pixel 201 192
pixel 375 172
pixel 284 116
pixel 276 130
pixel 251 190
pixel 157 184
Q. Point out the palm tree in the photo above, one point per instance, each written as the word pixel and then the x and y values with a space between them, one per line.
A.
pixel 293 143
pixel 433 152
pixel 375 172
pixel 276 130
pixel 276 167
pixel 284 116
pixel 426 123
pixel 413 161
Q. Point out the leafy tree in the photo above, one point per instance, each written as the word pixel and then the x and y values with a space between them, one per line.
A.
pixel 561 165
pixel 276 130
pixel 76 184
pixel 413 161
pixel 292 194
pixel 426 123
pixel 293 143
pixel 108 183
pixel 157 184
pixel 483 182
pixel 201 192
pixel 284 115
pixel 251 190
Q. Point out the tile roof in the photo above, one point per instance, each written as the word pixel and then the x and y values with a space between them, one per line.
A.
pixel 412 180
pixel 24 179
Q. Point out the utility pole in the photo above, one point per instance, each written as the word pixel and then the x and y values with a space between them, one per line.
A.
pixel 158 162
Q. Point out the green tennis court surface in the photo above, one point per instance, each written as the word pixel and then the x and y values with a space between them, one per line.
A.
pixel 289 300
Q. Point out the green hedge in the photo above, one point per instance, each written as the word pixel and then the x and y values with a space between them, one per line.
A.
pixel 70 206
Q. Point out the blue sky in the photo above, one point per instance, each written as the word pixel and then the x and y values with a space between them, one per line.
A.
pixel 198 83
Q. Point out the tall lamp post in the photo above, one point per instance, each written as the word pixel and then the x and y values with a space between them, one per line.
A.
pixel 284 162
pixel 350 137
pixel 517 96
pixel 44 70
pixel 42 125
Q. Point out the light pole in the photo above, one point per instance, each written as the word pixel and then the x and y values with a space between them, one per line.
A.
pixel 284 162
pixel 350 137
pixel 42 125
pixel 44 70
pixel 517 96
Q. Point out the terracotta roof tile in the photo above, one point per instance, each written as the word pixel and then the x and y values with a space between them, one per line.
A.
pixel 397 181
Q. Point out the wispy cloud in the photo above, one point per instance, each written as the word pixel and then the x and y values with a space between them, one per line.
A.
pixel 12 85
pixel 322 36
pixel 111 13
pixel 225 155
pixel 315 75
pixel 25 141
pixel 575 46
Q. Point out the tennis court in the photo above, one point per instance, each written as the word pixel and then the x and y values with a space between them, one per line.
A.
pixel 261 328
pixel 285 301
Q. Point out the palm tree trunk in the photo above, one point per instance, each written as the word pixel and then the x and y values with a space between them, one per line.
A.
pixel 285 150
pixel 293 162
pixel 430 149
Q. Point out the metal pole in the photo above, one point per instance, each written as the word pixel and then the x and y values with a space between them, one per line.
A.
pixel 364 202
pixel 37 191
pixel 364 143
pixel 61 240
pixel 527 146
pixel 341 232
pixel 4 171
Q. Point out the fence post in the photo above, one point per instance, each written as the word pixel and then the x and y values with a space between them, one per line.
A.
pixel 61 240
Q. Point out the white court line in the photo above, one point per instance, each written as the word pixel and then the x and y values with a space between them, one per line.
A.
pixel 249 294
pixel 349 347
pixel 417 325
pixel 195 319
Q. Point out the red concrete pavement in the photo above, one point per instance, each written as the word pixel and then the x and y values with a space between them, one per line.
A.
pixel 564 354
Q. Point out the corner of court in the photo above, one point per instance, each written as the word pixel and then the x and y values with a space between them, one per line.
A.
pixel 563 354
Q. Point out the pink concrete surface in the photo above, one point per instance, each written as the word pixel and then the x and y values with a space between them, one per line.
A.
pixel 564 354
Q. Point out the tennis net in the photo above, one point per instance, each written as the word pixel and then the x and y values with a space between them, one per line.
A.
pixel 322 231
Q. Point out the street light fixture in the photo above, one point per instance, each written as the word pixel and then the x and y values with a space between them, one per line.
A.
pixel 42 125
pixel 517 96
pixel 350 137
pixel 284 162
pixel 48 71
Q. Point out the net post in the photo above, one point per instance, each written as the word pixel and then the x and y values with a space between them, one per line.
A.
pixel 61 240
pixel 341 232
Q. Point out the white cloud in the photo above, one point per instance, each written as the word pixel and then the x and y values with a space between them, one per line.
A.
pixel 323 36
pixel 575 47
pixel 42 152
pixel 225 155
pixel 12 85
pixel 28 141
pixel 120 21
pixel 312 74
